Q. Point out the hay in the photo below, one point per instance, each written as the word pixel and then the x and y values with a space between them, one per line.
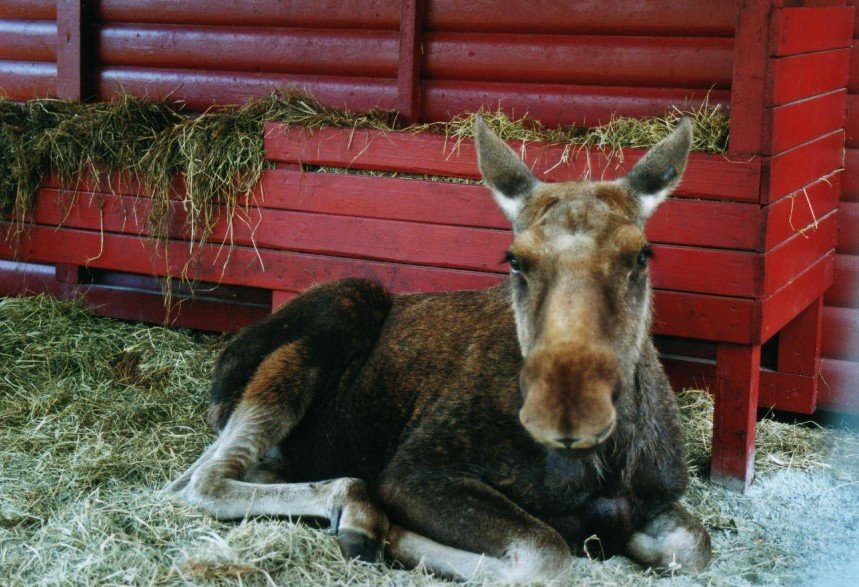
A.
pixel 96 415
pixel 219 153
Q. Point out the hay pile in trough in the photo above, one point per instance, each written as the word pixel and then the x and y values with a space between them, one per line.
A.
pixel 219 153
pixel 96 415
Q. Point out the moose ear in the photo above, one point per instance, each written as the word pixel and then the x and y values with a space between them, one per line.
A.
pixel 503 172
pixel 659 171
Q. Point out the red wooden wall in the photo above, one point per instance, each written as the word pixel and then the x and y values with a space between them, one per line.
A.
pixel 596 59
pixel 28 48
pixel 839 388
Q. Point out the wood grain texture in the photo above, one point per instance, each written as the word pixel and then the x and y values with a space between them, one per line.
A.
pixel 803 30
pixel 787 260
pixel 800 211
pixel 801 166
pixel 789 77
pixel 802 121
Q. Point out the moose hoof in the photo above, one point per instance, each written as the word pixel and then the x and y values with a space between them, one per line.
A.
pixel 355 544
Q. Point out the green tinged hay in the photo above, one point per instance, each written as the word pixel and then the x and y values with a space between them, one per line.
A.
pixel 97 415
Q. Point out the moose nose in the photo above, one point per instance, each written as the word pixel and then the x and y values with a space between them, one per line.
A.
pixel 578 442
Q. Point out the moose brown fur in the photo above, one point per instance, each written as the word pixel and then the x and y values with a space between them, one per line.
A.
pixel 484 431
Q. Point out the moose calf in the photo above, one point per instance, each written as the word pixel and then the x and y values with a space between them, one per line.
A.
pixel 483 431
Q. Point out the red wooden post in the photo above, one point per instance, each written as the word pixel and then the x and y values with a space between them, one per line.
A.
pixel 799 342
pixel 737 379
pixel 69 54
pixel 409 64
pixel 748 87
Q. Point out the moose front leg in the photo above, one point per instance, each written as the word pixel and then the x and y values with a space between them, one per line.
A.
pixel 672 539
pixel 459 526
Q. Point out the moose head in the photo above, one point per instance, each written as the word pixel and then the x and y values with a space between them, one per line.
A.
pixel 580 284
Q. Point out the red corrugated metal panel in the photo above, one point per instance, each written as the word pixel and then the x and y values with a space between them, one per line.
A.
pixel 28 40
pixel 655 17
pixel 580 59
pixel 29 9
pixel 368 14
pixel 364 53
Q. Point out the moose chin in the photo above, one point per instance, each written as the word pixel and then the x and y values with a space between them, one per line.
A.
pixel 488 431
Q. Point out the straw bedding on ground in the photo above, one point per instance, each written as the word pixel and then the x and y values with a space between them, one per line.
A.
pixel 96 415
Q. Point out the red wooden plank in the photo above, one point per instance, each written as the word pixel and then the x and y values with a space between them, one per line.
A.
pixel 703 316
pixel 558 104
pixel 851 127
pixel 841 333
pixel 378 14
pixel 748 88
pixel 848 230
pixel 785 304
pixel 23 80
pixel 777 391
pixel 845 290
pixel 279 298
pixel 790 258
pixel 839 381
pixel 790 79
pixel 656 17
pixel 850 187
pixel 28 40
pixel 238 266
pixel 794 169
pixel 696 62
pixel 800 210
pixel 674 267
pixel 678 221
pixel 799 342
pixel 29 9
pixel 735 414
pixel 853 81
pixel 18 279
pixel 69 51
pixel 410 60
pixel 364 53
pixel 802 30
pixel 707 176
pixel 799 122
pixel 201 89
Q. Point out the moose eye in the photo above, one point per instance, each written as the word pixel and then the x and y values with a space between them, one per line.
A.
pixel 645 253
pixel 515 264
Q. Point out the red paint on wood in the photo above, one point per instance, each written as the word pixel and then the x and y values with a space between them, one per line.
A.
pixel 27 80
pixel 800 210
pixel 28 40
pixel 839 381
pixel 410 61
pixel 790 258
pixel 377 14
pixel 848 230
pixel 851 124
pixel 802 30
pixel 703 316
pixel 351 52
pixel 799 342
pixel 695 62
pixel 69 50
pixel 29 9
pixel 790 79
pixel 201 89
pixel 279 298
pixel 644 17
pixel 707 176
pixel 799 122
pixel 845 290
pixel 18 279
pixel 65 273
pixel 841 328
pixel 782 306
pixel 558 104
pixel 748 88
pixel 850 188
pixel 853 81
pixel 776 391
pixel 736 397
pixel 794 169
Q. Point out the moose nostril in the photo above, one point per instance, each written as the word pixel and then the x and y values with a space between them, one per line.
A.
pixel 568 441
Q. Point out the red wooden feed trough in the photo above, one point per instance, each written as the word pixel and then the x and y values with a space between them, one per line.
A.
pixel 744 251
